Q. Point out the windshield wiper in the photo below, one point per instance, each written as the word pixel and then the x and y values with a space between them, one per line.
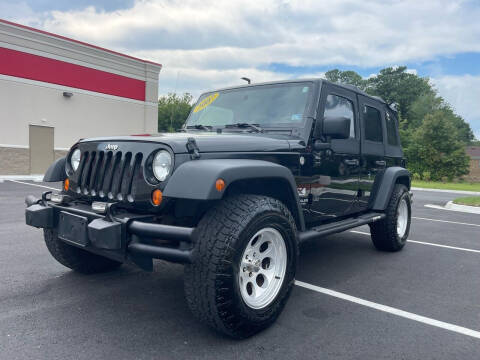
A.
pixel 200 127
pixel 255 127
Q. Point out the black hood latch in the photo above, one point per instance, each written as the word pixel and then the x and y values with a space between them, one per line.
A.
pixel 193 149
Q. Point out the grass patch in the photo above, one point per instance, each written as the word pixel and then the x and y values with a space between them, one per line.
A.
pixel 446 186
pixel 468 200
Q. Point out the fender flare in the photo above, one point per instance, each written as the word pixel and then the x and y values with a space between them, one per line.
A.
pixel 382 190
pixel 56 171
pixel 195 180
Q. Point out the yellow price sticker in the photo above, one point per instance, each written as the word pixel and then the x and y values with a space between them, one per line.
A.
pixel 205 102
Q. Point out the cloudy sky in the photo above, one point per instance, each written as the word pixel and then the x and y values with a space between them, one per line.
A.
pixel 208 44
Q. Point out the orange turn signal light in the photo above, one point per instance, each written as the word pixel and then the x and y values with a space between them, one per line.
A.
pixel 66 184
pixel 220 185
pixel 157 197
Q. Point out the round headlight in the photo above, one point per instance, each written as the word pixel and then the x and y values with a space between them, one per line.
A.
pixel 162 164
pixel 75 159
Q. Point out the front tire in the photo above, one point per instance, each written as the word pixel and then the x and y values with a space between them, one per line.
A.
pixel 245 260
pixel 75 258
pixel 391 233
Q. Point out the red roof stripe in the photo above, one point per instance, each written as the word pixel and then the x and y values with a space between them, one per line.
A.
pixel 40 68
pixel 76 41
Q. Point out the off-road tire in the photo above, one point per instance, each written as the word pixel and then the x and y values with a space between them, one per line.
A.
pixel 211 281
pixel 75 258
pixel 384 232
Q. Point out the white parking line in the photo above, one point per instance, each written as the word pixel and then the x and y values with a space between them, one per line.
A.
pixel 391 310
pixel 445 221
pixel 42 186
pixel 427 243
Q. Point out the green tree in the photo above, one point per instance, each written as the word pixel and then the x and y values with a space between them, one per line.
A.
pixel 173 110
pixel 424 104
pixel 395 85
pixel 346 77
pixel 428 103
pixel 436 149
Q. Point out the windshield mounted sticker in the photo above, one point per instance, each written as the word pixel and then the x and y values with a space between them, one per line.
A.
pixel 205 102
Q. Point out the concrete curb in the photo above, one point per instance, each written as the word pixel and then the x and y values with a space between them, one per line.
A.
pixel 449 191
pixel 464 208
pixel 34 178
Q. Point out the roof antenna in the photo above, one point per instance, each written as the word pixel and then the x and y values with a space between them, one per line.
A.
pixel 246 79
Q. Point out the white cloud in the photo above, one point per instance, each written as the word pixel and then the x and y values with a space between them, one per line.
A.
pixel 20 11
pixel 211 43
pixel 308 32
pixel 463 94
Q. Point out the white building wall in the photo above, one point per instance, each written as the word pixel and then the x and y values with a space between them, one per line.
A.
pixel 80 116
pixel 25 102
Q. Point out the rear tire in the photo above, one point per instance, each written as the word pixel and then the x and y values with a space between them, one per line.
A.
pixel 75 258
pixel 391 233
pixel 244 265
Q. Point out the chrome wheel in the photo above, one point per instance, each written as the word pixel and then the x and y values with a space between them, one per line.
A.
pixel 262 268
pixel 402 218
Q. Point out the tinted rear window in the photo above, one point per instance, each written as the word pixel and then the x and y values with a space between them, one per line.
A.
pixel 373 124
pixel 392 136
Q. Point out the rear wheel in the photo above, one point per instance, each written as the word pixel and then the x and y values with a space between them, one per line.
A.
pixel 244 267
pixel 391 233
pixel 75 258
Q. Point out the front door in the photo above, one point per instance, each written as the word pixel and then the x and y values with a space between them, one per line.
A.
pixel 373 161
pixel 335 173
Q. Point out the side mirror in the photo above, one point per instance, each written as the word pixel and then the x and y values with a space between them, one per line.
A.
pixel 336 127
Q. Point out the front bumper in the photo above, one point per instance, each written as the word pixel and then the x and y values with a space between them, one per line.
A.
pixel 118 235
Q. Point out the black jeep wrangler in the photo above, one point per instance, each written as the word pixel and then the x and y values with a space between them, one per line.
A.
pixel 255 170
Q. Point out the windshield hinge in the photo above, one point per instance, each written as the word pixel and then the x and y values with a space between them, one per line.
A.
pixel 193 149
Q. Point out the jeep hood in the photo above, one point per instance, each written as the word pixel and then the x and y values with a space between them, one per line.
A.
pixel 209 142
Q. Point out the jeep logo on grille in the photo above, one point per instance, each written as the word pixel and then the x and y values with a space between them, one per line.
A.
pixel 111 147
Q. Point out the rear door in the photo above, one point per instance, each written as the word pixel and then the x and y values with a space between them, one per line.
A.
pixel 373 161
pixel 335 180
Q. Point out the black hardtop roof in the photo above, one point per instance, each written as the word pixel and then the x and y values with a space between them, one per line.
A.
pixel 316 80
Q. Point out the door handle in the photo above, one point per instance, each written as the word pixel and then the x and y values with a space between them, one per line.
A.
pixel 351 162
pixel 381 162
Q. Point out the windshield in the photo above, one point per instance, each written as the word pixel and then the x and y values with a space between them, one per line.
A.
pixel 264 105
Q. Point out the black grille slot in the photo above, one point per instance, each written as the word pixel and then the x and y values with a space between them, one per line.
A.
pixel 95 171
pixel 103 172
pixel 134 168
pixel 108 174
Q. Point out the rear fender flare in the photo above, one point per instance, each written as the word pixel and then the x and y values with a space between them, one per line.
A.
pixel 383 188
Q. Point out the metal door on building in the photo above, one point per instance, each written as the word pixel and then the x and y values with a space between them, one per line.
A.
pixel 41 148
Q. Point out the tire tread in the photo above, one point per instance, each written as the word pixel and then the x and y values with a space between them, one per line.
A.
pixel 208 297
pixel 75 258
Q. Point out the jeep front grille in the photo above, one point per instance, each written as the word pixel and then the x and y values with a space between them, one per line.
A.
pixel 108 174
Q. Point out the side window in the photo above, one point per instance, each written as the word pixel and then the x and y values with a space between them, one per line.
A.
pixel 337 106
pixel 373 124
pixel 391 129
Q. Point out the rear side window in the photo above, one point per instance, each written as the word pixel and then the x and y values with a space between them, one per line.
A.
pixel 392 137
pixel 337 106
pixel 373 124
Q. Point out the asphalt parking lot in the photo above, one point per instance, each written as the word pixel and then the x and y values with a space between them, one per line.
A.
pixel 351 302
